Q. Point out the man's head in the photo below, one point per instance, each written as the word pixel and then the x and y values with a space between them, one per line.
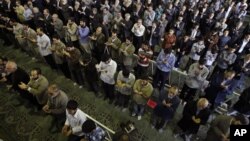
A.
pixel 10 67
pixel 202 63
pixel 167 50
pixel 127 16
pixel 88 126
pixel 229 74
pixel 125 73
pixel 171 31
pixel 35 73
pixel 82 23
pixel 70 21
pixel 46 12
pixel 106 58
pixel 54 17
pixel 128 40
pixel 39 31
pixel 144 80
pixel 202 103
pixel 71 107
pixel 172 91
pixel 98 30
pixel 53 90
pixel 114 33
pixel 139 22
pixel 240 120
pixel 56 38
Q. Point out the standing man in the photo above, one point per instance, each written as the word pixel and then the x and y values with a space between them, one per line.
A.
pixel 138 30
pixel 37 86
pixel 220 127
pixel 107 67
pixel 44 44
pixel 195 113
pixel 56 106
pixel 165 63
pixel 74 120
pixel 142 90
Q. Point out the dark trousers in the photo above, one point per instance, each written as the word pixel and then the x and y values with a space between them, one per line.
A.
pixel 137 41
pixel 158 122
pixel 58 121
pixel 141 71
pixel 217 70
pixel 122 100
pixel 49 60
pixel 65 69
pixel 77 75
pixel 74 138
pixel 160 76
pixel 108 90
pixel 187 94
pixel 93 85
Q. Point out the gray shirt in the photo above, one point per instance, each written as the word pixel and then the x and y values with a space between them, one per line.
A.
pixel 58 104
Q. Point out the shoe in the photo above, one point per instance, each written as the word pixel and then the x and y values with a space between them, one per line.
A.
pixel 75 84
pixel 152 126
pixel 160 130
pixel 133 114
pixel 176 135
pixel 124 109
pixel 80 87
pixel 139 117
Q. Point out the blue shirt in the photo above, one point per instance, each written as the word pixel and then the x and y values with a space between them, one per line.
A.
pixel 165 62
pixel 83 34
pixel 97 135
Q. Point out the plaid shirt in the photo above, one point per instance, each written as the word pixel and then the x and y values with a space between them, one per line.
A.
pixel 97 135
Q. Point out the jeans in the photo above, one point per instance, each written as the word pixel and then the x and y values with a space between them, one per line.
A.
pixel 160 76
pixel 138 109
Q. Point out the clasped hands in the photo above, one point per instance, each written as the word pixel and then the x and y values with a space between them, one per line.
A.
pixel 196 120
pixel 66 130
pixel 23 86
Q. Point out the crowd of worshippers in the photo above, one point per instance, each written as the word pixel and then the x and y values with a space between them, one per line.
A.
pixel 67 117
pixel 98 39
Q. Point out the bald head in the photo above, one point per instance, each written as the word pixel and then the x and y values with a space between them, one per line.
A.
pixel 10 67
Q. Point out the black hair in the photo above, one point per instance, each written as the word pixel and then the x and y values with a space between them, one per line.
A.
pixel 125 72
pixel 70 44
pixel 243 119
pixel 56 36
pixel 105 57
pixel 167 50
pixel 72 105
pixel 38 70
pixel 202 61
pixel 88 126
pixel 144 77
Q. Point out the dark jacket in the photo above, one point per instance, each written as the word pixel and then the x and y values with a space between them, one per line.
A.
pixel 243 104
pixel 187 124
pixel 16 78
pixel 163 111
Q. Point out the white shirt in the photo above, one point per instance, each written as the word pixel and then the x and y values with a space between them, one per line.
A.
pixel 244 43
pixel 193 34
pixel 138 30
pixel 43 43
pixel 107 71
pixel 75 122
